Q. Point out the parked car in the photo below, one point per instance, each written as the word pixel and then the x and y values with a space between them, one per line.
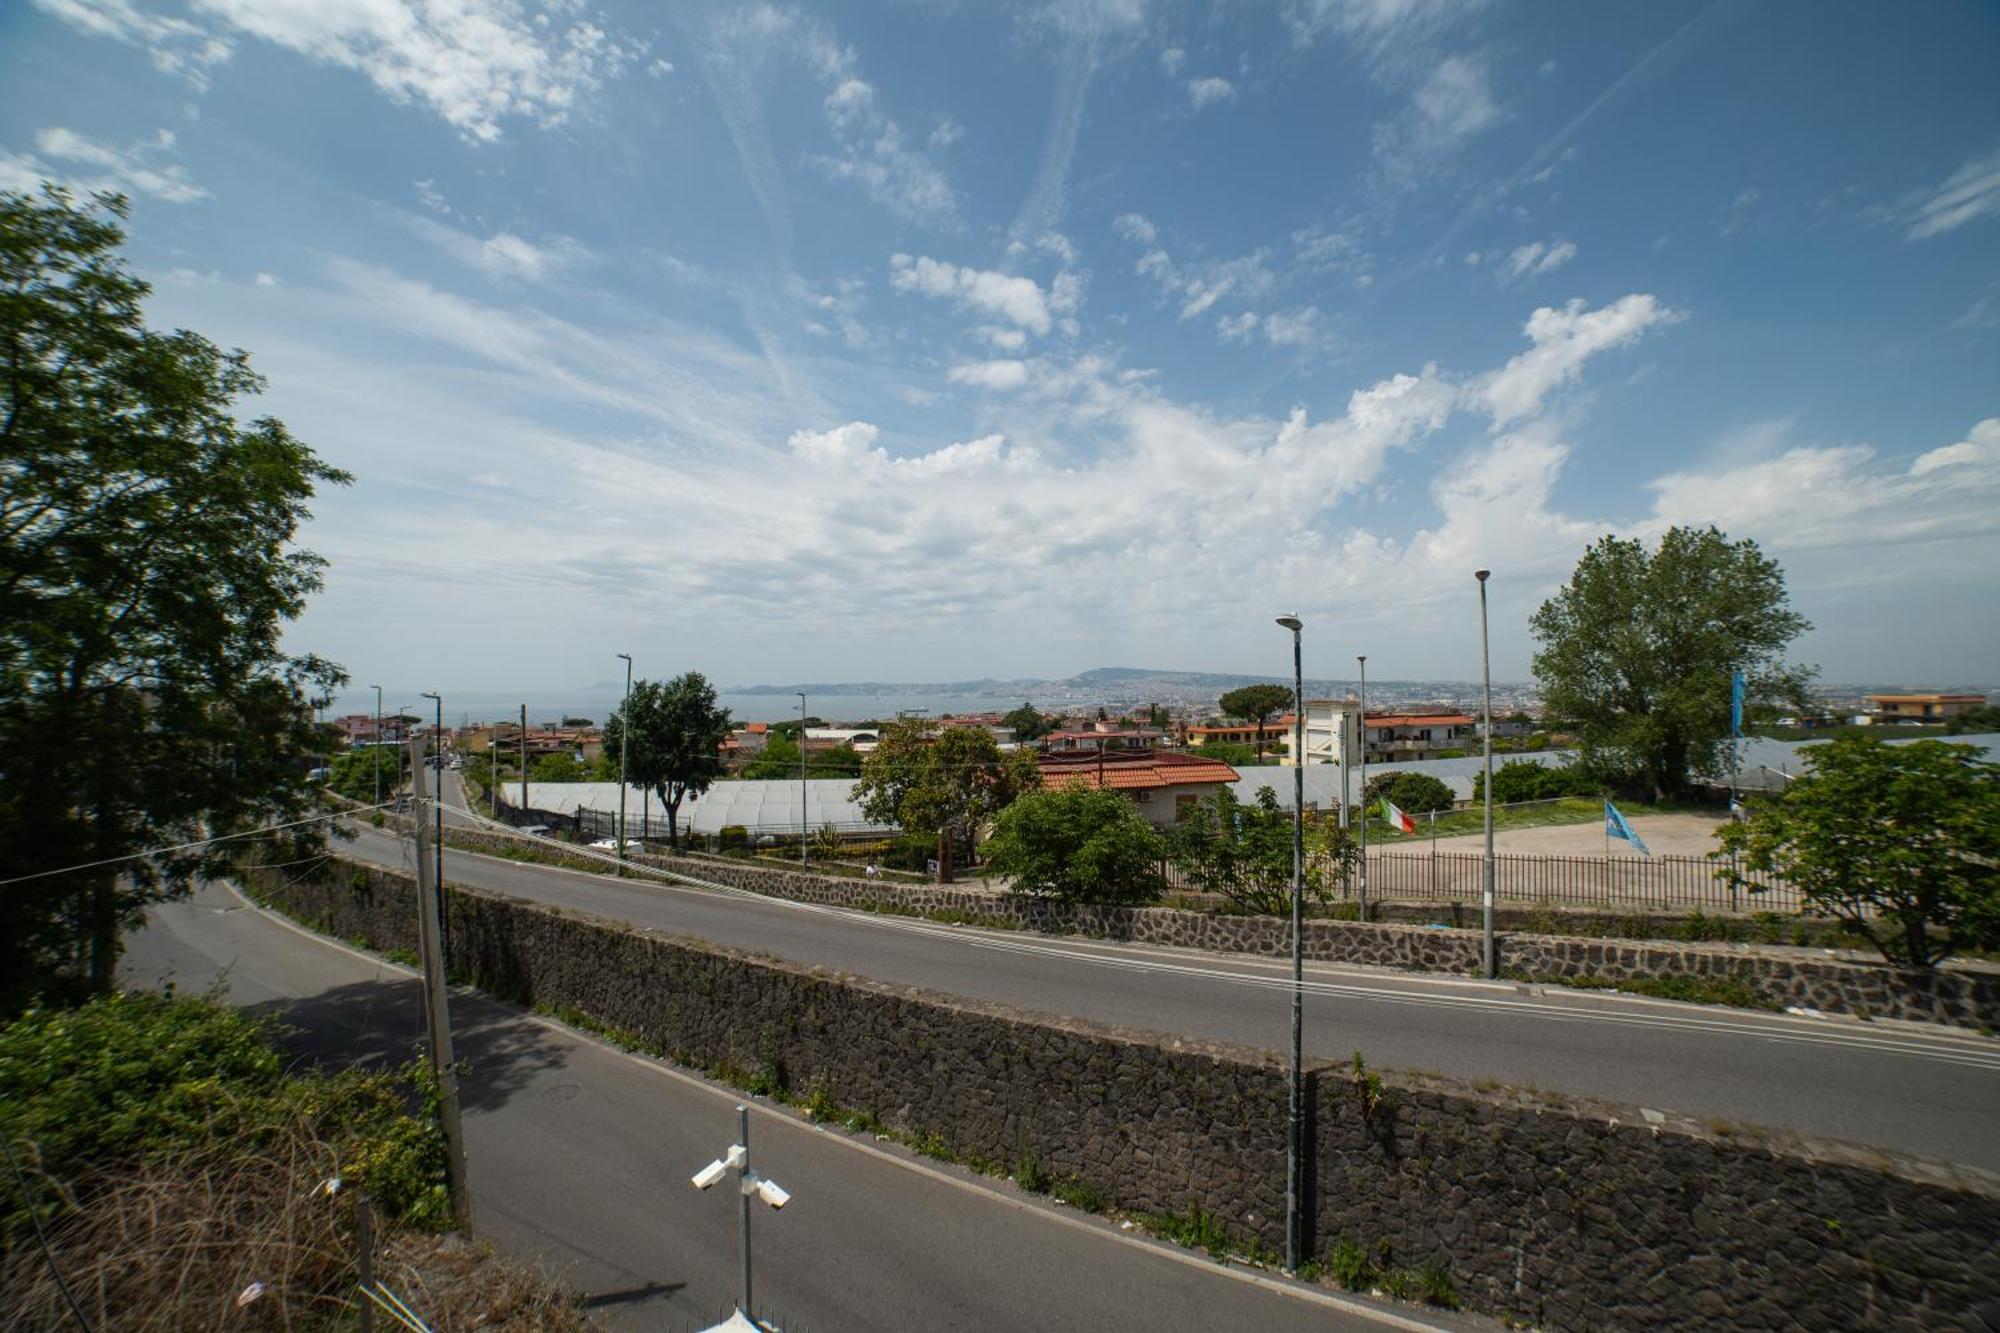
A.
pixel 611 845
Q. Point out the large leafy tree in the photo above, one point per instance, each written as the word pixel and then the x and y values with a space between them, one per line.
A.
pixel 1028 722
pixel 146 574
pixel 1412 793
pixel 1899 842
pixel 951 782
pixel 1243 852
pixel 1077 844
pixel 1637 651
pixel 675 743
pixel 1256 703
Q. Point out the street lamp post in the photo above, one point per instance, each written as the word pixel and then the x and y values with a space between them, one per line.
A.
pixel 375 754
pixel 1293 1129
pixel 1487 961
pixel 624 743
pixel 437 801
pixel 802 776
pixel 1361 897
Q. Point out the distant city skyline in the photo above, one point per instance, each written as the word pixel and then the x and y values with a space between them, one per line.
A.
pixel 841 339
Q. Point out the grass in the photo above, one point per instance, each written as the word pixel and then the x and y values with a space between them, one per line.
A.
pixel 1694 990
pixel 1540 814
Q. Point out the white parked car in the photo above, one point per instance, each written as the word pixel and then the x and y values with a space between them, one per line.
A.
pixel 611 845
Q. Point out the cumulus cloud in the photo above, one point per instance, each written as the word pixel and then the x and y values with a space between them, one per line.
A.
pixel 1210 90
pixel 1021 301
pixel 874 154
pixel 87 166
pixel 1006 373
pixel 1135 227
pixel 1297 328
pixel 1238 327
pixel 176 46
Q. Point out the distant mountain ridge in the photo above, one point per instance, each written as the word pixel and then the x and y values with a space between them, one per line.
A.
pixel 1127 680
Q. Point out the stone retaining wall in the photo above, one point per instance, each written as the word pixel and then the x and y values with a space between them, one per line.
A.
pixel 1563 1214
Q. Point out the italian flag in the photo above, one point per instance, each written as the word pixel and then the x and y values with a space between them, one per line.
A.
pixel 1395 818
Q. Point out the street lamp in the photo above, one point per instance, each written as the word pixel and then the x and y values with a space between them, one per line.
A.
pixel 375 755
pixel 1361 898
pixel 624 743
pixel 1487 961
pixel 1293 1130
pixel 802 775
pixel 437 796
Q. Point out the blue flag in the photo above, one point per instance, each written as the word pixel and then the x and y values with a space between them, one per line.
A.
pixel 1736 688
pixel 1616 827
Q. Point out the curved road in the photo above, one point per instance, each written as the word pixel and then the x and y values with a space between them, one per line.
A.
pixel 1915 1089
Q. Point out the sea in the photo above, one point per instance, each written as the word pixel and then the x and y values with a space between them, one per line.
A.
pixel 472 707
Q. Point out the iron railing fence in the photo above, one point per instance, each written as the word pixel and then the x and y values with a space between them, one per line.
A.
pixel 1630 883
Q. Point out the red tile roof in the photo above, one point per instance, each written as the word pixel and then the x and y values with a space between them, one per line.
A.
pixel 1134 770
pixel 1420 720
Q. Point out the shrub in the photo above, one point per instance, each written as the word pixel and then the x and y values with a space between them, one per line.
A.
pixel 1077 844
pixel 732 837
pixel 1413 793
pixel 1525 780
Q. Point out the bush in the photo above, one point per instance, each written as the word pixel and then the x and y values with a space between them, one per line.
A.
pixel 732 837
pixel 1413 793
pixel 1078 844
pixel 1525 780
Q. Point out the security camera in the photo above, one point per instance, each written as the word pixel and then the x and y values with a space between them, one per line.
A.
pixel 710 1175
pixel 773 1193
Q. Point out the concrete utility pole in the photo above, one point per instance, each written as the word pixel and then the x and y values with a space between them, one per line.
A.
pixel 430 938
pixel 437 806
pixel 1487 961
pixel 1295 1128
pixel 524 761
pixel 1361 898
pixel 624 744
pixel 375 752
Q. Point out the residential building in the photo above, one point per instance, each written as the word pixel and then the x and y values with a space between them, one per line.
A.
pixel 1332 732
pixel 1161 783
pixel 1103 736
pixel 1921 707
pixel 1406 736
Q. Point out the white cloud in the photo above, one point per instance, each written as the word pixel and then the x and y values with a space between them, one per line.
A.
pixel 660 67
pixel 1001 374
pixel 1533 260
pixel 504 254
pixel 1171 61
pixel 1298 328
pixel 1980 448
pixel 1454 103
pixel 1319 250
pixel 1377 26
pixel 87 166
pixel 947 133
pixel 1563 340
pixel 874 154
pixel 1007 340
pixel 267 280
pixel 1237 328
pixel 1016 299
pixel 473 65
pixel 1970 193
pixel 1135 227
pixel 1210 90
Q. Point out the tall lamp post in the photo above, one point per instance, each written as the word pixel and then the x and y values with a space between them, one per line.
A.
pixel 1361 898
pixel 375 754
pixel 802 776
pixel 1293 1129
pixel 1486 958
pixel 437 797
pixel 624 743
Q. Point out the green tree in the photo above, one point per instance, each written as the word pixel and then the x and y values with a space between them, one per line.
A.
pixel 1256 703
pixel 1027 723
pixel 147 574
pixel 1229 752
pixel 1975 721
pixel 1638 649
pixel 780 759
pixel 1900 842
pixel 561 766
pixel 674 746
pixel 1526 780
pixel 1243 852
pixel 355 772
pixel 954 781
pixel 1077 844
pixel 1413 793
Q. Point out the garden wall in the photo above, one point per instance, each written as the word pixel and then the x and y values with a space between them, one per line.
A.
pixel 1564 1214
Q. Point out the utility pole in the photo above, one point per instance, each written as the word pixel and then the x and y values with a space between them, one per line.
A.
pixel 1361 898
pixel 624 744
pixel 1487 960
pixel 437 806
pixel 375 752
pixel 436 1003
pixel 1294 1130
pixel 524 761
pixel 802 776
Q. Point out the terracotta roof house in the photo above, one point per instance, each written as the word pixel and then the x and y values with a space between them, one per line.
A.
pixel 1160 782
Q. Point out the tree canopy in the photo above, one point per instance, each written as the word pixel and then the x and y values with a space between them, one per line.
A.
pixel 1638 649
pixel 954 780
pixel 147 573
pixel 1028 723
pixel 1243 852
pixel 1901 843
pixel 674 747
pixel 1526 780
pixel 1256 703
pixel 780 759
pixel 1078 844
pixel 1412 793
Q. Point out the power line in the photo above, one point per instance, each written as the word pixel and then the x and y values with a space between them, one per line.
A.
pixel 185 846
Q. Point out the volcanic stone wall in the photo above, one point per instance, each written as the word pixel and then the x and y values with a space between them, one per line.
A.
pixel 1562 1213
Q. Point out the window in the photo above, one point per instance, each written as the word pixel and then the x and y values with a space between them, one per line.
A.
pixel 1142 797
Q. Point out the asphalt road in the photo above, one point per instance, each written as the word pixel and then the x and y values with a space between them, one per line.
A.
pixel 1909 1087
pixel 579 1157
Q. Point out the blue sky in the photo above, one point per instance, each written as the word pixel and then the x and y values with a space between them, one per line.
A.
pixel 932 340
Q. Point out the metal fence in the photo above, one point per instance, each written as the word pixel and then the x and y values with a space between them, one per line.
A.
pixel 651 824
pixel 1635 883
